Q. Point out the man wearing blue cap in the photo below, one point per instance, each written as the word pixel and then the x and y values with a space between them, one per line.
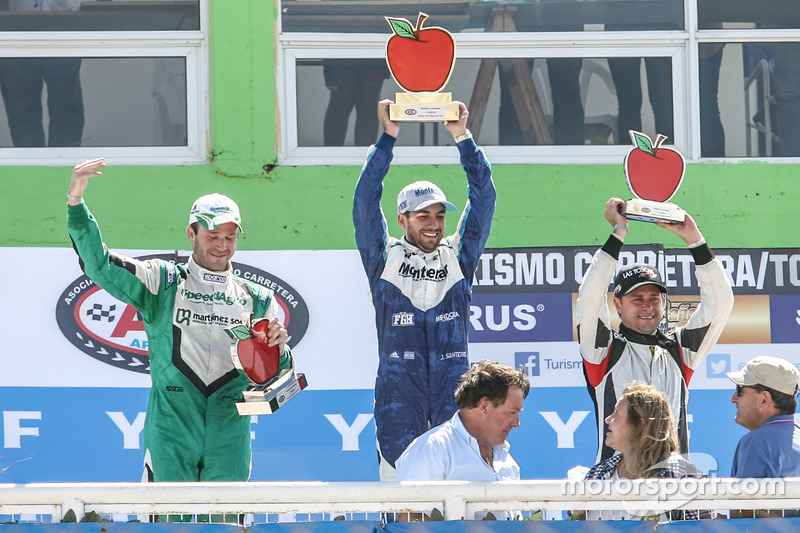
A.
pixel 420 287
pixel 193 431
pixel 640 351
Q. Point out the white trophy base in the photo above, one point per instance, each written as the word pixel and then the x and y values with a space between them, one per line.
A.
pixel 423 107
pixel 650 211
pixel 266 402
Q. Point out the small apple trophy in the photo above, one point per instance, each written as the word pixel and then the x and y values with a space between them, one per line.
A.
pixel 421 62
pixel 654 175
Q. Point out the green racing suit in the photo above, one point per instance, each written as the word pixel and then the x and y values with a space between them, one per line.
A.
pixel 192 431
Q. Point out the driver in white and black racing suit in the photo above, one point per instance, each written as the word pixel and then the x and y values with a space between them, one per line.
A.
pixel 640 351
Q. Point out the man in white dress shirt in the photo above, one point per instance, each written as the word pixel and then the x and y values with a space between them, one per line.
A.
pixel 472 445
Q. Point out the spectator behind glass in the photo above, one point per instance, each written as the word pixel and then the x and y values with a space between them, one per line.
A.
pixel 565 93
pixel 22 81
pixel 787 96
pixel 641 430
pixel 353 84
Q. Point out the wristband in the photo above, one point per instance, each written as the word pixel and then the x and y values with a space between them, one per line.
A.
pixel 71 198
pixel 463 137
pixel 620 226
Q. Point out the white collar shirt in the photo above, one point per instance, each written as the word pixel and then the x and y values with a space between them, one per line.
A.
pixel 448 451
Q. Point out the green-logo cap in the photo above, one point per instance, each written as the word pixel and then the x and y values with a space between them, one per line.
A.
pixel 213 210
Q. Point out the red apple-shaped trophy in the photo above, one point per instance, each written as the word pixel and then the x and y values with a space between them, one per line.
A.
pixel 654 175
pixel 421 61
pixel 269 387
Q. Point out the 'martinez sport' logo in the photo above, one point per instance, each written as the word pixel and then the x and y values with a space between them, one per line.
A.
pixel 113 332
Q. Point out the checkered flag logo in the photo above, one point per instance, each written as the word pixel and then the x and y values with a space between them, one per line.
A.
pixel 98 313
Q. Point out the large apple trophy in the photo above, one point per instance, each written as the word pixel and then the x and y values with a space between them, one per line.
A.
pixel 421 62
pixel 654 175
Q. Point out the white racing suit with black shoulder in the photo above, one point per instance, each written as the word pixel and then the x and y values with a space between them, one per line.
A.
pixel 613 359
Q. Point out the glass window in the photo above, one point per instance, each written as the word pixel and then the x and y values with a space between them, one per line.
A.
pixel 759 108
pixel 753 13
pixel 554 80
pixel 99 15
pixel 127 75
pixel 109 101
pixel 566 101
pixel 346 16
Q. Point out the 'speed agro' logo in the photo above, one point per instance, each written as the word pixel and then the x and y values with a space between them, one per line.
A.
pixel 718 365
pixel 113 332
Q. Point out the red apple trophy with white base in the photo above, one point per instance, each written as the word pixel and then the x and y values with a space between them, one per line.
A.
pixel 654 175
pixel 421 61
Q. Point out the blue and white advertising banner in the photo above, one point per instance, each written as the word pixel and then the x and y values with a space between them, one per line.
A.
pixel 74 364
pixel 748 525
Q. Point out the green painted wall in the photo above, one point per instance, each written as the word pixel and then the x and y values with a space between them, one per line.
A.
pixel 736 205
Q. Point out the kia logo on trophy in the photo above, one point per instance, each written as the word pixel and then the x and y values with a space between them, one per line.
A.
pixel 421 62
pixel 654 175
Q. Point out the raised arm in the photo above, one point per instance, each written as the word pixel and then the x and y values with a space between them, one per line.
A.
pixel 389 127
pixel 475 223
pixel 80 178
pixel 706 324
pixel 127 279
pixel 686 230
pixel 593 318
pixel 368 219
pixel 458 127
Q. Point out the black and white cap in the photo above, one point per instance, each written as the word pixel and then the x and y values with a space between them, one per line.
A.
pixel 631 277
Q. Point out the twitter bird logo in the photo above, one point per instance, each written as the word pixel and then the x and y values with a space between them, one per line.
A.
pixel 718 365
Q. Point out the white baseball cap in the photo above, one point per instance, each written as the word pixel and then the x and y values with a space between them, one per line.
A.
pixel 214 210
pixel 773 372
pixel 419 195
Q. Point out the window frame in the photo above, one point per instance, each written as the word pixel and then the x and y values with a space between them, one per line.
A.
pixel 192 45
pixel 681 46
pixel 474 46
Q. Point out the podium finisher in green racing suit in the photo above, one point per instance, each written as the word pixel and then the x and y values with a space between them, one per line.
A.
pixel 193 431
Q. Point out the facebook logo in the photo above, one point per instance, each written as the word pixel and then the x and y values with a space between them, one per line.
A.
pixel 718 365
pixel 529 361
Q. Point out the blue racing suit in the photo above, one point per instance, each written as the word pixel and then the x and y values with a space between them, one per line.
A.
pixel 421 302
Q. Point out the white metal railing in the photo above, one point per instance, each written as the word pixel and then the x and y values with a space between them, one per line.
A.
pixel 457 500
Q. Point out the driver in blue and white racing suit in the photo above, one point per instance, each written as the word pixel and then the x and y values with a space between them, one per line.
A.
pixel 420 287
